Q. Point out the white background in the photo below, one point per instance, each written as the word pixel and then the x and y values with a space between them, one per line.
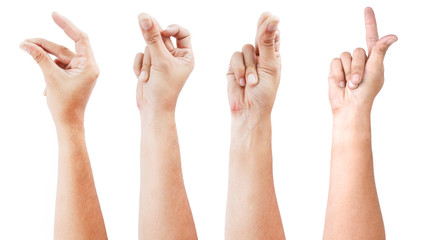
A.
pixel 313 32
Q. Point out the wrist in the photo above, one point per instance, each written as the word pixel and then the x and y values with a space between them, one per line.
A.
pixel 76 125
pixel 249 120
pixel 66 119
pixel 351 115
pixel 148 115
pixel 246 127
pixel 351 126
pixel 250 136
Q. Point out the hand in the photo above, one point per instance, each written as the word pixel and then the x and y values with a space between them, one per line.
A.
pixel 254 74
pixel 163 69
pixel 70 78
pixel 355 81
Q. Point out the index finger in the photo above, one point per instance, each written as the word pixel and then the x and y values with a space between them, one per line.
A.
pixel 370 28
pixel 181 34
pixel 82 45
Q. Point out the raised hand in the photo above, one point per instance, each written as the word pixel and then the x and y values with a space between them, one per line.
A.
pixel 353 210
pixel 70 78
pixel 162 71
pixel 354 81
pixel 163 68
pixel 254 73
pixel 253 79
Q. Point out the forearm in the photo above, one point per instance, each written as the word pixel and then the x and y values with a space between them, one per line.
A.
pixel 252 209
pixel 164 208
pixel 78 213
pixel 353 210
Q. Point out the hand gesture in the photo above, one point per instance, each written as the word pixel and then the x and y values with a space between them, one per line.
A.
pixel 163 69
pixel 254 73
pixel 70 78
pixel 355 81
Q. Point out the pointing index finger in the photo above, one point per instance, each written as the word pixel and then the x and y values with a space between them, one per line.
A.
pixel 370 28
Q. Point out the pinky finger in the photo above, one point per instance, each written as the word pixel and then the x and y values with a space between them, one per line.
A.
pixel 138 61
pixel 336 76
pixel 277 40
pixel 238 68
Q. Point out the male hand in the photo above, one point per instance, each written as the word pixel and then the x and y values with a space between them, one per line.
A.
pixel 355 81
pixel 254 73
pixel 163 69
pixel 70 78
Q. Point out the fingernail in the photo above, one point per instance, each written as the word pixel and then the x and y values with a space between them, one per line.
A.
pixel 272 26
pixel 352 85
pixel 242 82
pixel 142 76
pixel 169 28
pixel 355 79
pixel 390 41
pixel 251 79
pixel 25 48
pixel 146 23
pixel 342 84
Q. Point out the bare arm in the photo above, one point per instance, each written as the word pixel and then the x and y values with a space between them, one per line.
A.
pixel 353 210
pixel 164 208
pixel 253 79
pixel 78 213
pixel 252 208
pixel 70 79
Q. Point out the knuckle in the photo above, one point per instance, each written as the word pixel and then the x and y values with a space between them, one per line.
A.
pixel 236 53
pixel 84 36
pixel 63 49
pixel 345 55
pixel 248 47
pixel 357 69
pixel 236 57
pixel 239 70
pixel 267 42
pixel 359 51
pixel 230 70
pixel 95 72
pixel 335 61
pixel 370 38
pixel 381 49
pixel 40 41
pixel 154 38
pixel 275 67
pixel 184 30
pixel 145 67
pixel 38 57
pixel 250 69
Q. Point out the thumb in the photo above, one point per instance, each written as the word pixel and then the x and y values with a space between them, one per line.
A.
pixel 39 55
pixel 379 50
pixel 152 35
pixel 266 36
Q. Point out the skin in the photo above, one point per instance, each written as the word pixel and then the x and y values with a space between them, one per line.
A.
pixel 70 79
pixel 162 71
pixel 253 79
pixel 353 210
